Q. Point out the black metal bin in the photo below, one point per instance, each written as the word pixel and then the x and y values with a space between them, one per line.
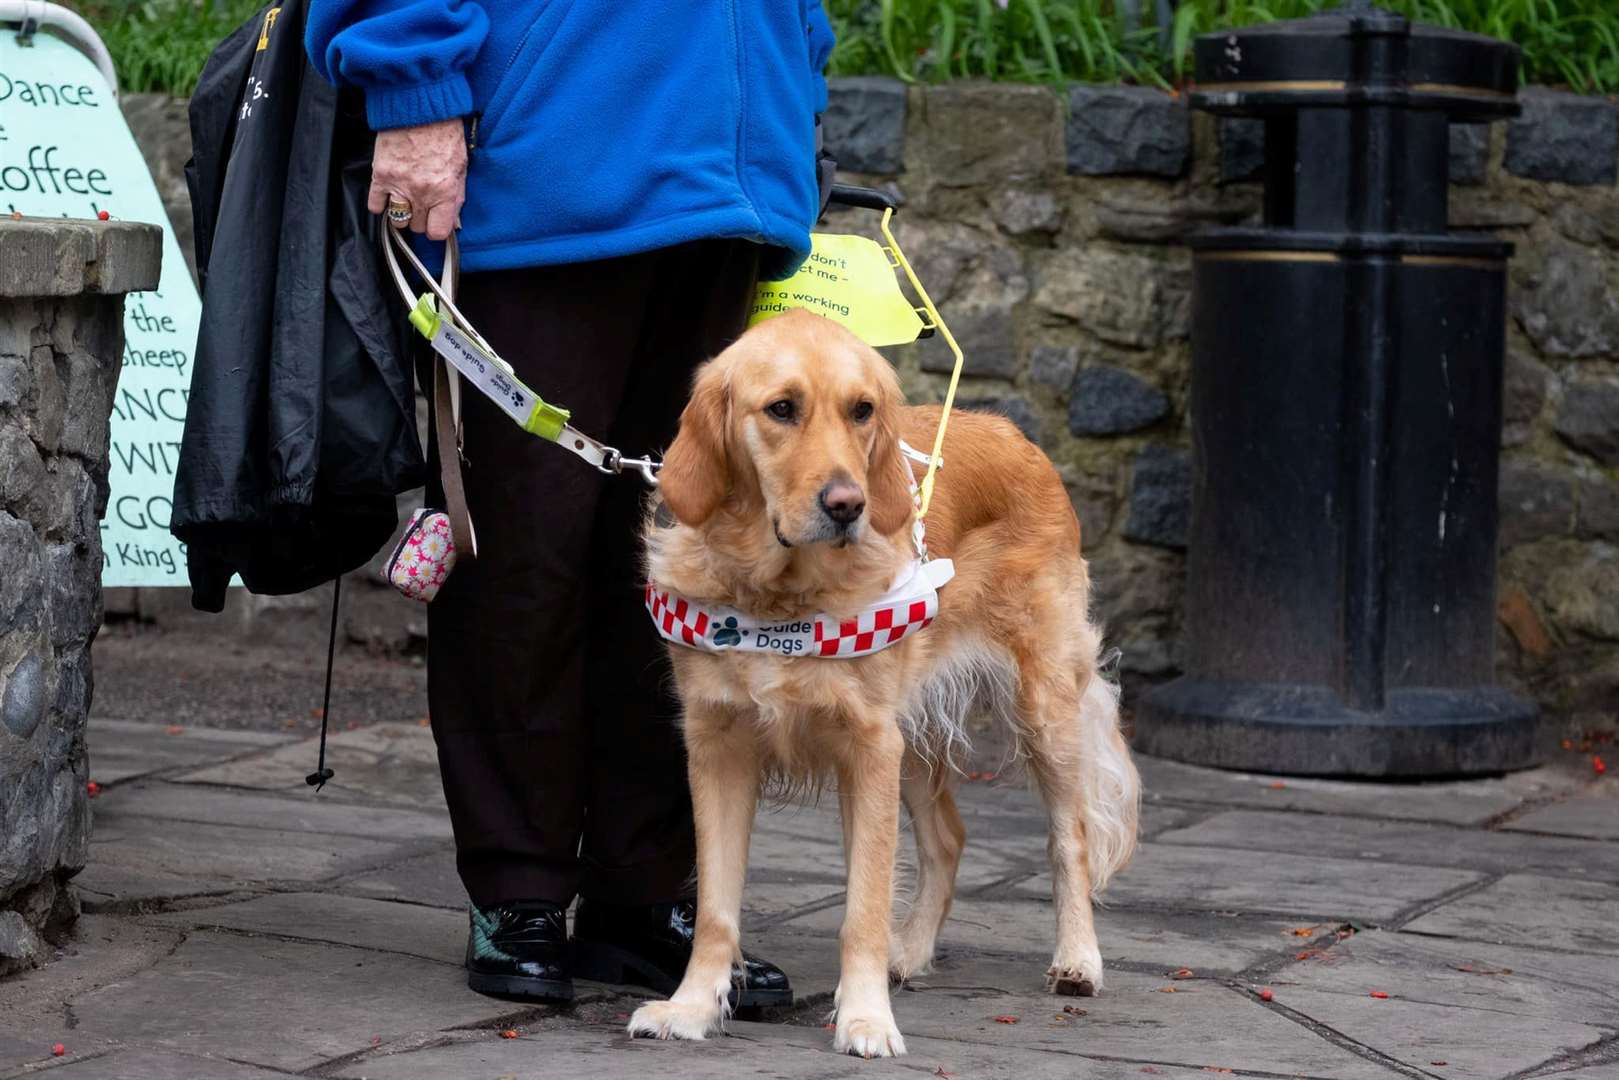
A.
pixel 1346 414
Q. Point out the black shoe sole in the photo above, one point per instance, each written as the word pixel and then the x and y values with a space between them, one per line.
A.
pixel 555 991
pixel 609 964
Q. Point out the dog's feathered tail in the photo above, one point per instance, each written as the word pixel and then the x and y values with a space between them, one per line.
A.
pixel 1111 791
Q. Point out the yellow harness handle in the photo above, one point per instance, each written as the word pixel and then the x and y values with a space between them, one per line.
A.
pixel 925 495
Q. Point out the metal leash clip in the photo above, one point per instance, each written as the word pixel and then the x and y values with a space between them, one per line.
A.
pixel 436 318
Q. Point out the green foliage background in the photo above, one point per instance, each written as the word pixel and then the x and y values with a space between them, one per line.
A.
pixel 161 44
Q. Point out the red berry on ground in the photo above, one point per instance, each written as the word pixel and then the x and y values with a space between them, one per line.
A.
pixel 1597 765
pixel 58 1050
pixel 1380 994
pixel 104 216
pixel 92 789
pixel 1265 994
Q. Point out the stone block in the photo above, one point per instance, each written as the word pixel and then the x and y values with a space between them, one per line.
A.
pixel 1015 408
pixel 1219 879
pixel 58 257
pixel 1595 816
pixel 327 1002
pixel 863 127
pixel 1572 138
pixel 1535 501
pixel 14 380
pixel 1120 296
pixel 990 133
pixel 1160 497
pixel 1106 400
pixel 1526 383
pixel 979 283
pixel 1469 153
pixel 1588 418
pixel 1598 517
pixel 1567 306
pixel 1053 366
pixel 1127 130
pixel 72 583
pixel 23 695
pixel 1583 596
pixel 1021 211
pixel 1406 842
pixel 90 386
pixel 19 585
pixel 1242 148
pixel 22 477
pixel 1534 911
pixel 1469 802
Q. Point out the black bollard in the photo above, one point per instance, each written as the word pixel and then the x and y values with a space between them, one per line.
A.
pixel 1346 418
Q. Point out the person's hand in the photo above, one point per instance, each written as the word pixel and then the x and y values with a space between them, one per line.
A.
pixel 425 166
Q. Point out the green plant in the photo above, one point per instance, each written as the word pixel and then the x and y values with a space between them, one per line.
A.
pixel 1564 41
pixel 160 45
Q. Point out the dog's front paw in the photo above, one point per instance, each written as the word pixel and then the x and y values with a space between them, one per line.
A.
pixel 868 1036
pixel 1076 977
pixel 672 1020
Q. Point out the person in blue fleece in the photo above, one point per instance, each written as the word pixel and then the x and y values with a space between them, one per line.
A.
pixel 622 174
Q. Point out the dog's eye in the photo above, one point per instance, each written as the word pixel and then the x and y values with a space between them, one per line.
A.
pixel 781 410
pixel 862 412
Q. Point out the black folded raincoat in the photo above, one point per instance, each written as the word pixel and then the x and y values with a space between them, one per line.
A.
pixel 300 428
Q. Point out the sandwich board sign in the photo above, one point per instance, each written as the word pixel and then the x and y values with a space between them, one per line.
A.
pixel 65 151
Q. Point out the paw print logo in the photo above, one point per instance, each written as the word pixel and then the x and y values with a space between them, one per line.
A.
pixel 726 633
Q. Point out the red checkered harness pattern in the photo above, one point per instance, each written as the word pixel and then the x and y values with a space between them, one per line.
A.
pixel 909 606
pixel 723 630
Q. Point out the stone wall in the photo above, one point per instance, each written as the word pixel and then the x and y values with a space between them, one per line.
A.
pixel 61 341
pixel 1047 227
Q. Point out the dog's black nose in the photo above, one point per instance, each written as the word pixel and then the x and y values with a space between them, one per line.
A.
pixel 842 502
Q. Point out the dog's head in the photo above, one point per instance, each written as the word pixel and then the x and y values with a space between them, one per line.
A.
pixel 796 423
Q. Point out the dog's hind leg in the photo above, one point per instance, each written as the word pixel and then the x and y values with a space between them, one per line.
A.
pixel 1070 730
pixel 940 836
pixel 723 767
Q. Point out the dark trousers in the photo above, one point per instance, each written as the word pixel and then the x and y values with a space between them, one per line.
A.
pixel 550 695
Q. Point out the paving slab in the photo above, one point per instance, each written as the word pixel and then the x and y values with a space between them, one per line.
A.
pixel 1460 802
pixel 281 1004
pixel 410 929
pixel 778 1051
pixel 1474 1043
pixel 1594 816
pixel 423 879
pixel 138 1063
pixel 1524 983
pixel 1403 842
pixel 1174 876
pixel 303 812
pixel 1203 1024
pixel 122 749
pixel 139 858
pixel 1542 912
pixel 1205 942
pixel 102 949
pixel 392 763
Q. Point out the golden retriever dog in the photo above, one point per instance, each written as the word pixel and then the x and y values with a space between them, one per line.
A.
pixel 789 495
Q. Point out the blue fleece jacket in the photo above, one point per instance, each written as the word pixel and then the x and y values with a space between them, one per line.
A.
pixel 601 127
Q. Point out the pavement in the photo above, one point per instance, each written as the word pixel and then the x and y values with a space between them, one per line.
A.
pixel 238 926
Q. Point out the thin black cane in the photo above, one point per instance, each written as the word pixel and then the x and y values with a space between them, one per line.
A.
pixel 318 778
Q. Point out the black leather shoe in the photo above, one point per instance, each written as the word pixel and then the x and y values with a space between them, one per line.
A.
pixel 520 949
pixel 649 946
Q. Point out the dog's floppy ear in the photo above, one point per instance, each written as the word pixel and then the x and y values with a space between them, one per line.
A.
pixel 695 474
pixel 888 474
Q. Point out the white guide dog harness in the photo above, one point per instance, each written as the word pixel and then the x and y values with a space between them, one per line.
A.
pixel 909 605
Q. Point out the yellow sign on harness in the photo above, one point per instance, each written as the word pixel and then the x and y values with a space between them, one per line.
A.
pixel 850 280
